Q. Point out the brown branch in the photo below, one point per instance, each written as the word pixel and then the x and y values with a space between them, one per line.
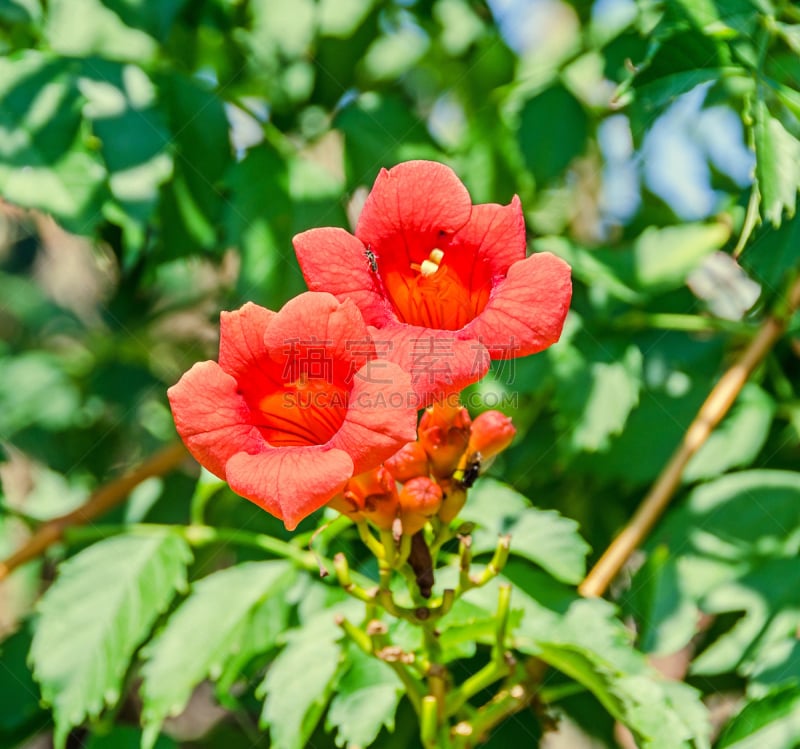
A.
pixel 100 501
pixel 708 417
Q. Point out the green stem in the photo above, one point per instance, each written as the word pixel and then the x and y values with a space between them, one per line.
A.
pixel 200 535
pixel 429 723
pixel 498 561
pixel 377 549
pixel 497 667
pixel 682 322
pixel 342 569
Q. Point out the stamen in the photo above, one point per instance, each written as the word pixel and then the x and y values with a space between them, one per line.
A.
pixel 431 265
pixel 428 268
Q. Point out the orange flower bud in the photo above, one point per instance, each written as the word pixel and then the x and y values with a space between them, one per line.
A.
pixel 408 462
pixel 453 499
pixel 372 495
pixel 491 433
pixel 419 501
pixel 444 434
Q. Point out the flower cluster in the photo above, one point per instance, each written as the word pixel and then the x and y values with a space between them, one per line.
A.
pixel 429 477
pixel 317 403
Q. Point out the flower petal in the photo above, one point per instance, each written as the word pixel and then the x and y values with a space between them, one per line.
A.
pixel 241 343
pixel 318 328
pixel 211 416
pixel 439 361
pixel 334 260
pixel 410 207
pixel 290 482
pixel 527 309
pixel 497 234
pixel 381 415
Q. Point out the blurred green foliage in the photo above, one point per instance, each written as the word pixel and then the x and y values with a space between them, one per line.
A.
pixel 186 141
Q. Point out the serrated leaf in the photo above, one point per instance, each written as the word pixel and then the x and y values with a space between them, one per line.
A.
pixel 300 682
pixel 777 166
pixel 772 722
pixel 98 611
pixel 583 639
pixel 541 536
pixel 205 632
pixel 366 699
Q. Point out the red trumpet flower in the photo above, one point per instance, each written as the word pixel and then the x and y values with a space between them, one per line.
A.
pixel 297 405
pixel 446 282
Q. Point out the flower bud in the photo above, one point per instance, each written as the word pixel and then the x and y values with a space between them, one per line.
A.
pixel 492 432
pixel 408 462
pixel 444 433
pixel 372 495
pixel 453 498
pixel 419 501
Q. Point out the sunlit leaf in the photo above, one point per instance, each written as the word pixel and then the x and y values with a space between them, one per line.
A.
pixel 99 610
pixel 365 700
pixel 773 721
pixel 777 166
pixel 206 631
pixel 541 536
pixel 300 682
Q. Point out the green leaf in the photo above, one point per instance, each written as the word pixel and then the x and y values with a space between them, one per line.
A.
pixel 121 105
pixel 740 516
pixel 34 390
pixel 94 617
pixel 366 698
pixel 665 615
pixel 777 166
pixel 395 53
pixel 541 536
pixel 552 132
pixel 588 267
pixel 595 397
pixel 772 722
pixel 300 682
pixel 664 257
pixel 105 28
pixel 778 665
pixel 768 597
pixel 258 219
pixel 737 441
pixel 183 653
pixel 191 202
pixel 46 158
pixel 773 253
pixel 583 639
